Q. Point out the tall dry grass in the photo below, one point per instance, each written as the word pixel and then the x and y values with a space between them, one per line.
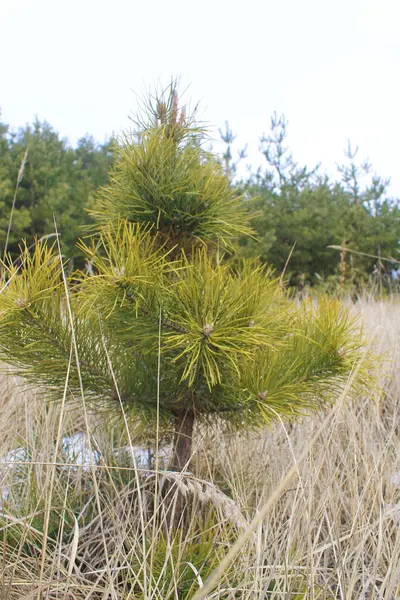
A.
pixel 330 530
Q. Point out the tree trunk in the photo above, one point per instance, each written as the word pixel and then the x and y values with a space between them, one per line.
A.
pixel 182 448
pixel 175 500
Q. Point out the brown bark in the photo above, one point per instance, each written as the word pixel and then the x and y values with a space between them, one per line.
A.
pixel 175 501
pixel 182 449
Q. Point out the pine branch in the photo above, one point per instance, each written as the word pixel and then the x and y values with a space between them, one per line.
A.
pixel 35 335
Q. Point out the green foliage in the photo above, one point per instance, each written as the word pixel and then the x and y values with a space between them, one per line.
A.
pixel 130 268
pixel 286 383
pixel 228 339
pixel 164 178
pixel 221 317
pixel 290 205
pixel 37 335
pixel 57 180
pixel 300 213
pixel 181 565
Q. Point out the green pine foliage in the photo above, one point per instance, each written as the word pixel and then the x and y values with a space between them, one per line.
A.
pixel 230 342
pixel 37 336
pixel 184 564
pixel 302 213
pixel 164 178
pixel 290 205
pixel 57 180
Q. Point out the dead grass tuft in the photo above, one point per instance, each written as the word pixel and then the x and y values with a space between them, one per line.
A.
pixel 71 532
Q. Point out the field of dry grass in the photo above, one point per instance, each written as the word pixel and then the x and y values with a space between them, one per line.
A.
pixel 308 510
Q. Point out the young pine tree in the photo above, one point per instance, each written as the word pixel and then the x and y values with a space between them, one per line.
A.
pixel 164 325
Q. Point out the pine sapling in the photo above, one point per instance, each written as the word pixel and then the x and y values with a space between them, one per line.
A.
pixel 232 345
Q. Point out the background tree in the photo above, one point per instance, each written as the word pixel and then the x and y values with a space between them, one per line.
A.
pixel 228 137
pixel 301 209
pixel 231 345
pixel 290 204
pixel 58 180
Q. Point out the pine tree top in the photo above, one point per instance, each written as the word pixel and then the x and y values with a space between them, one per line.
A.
pixel 163 324
pixel 164 178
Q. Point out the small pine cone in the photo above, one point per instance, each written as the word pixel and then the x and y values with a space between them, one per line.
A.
pixel 119 272
pixel 21 302
pixel 208 329
pixel 262 395
pixel 252 323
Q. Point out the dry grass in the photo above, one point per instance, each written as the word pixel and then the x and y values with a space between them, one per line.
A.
pixel 330 531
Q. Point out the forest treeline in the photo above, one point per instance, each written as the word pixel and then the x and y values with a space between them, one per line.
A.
pixel 297 212
pixel 57 180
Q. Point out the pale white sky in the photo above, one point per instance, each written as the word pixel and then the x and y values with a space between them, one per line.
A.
pixel 332 66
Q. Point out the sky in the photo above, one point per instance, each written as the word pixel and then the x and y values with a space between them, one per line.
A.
pixel 331 66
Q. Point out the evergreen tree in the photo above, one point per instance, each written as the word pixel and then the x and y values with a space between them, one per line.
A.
pixel 299 212
pixel 228 342
pixel 58 180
